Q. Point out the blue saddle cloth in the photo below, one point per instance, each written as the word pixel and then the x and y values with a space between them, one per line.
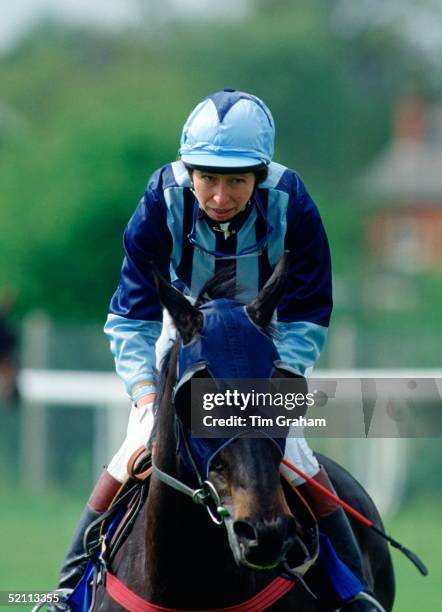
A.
pixel 80 599
pixel 345 584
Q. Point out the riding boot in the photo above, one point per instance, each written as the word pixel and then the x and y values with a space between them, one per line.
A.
pixel 76 558
pixel 333 521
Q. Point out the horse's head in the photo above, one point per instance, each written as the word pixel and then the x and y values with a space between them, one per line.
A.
pixel 223 339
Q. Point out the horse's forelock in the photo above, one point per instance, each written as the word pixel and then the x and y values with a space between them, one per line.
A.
pixel 222 285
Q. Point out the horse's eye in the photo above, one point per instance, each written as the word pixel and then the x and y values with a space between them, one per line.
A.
pixel 218 465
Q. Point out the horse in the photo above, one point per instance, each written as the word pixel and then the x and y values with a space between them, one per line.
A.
pixel 178 556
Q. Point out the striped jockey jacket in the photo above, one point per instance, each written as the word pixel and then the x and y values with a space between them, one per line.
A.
pixel 159 231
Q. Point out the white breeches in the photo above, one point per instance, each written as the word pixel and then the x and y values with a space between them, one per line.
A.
pixel 140 427
pixel 140 423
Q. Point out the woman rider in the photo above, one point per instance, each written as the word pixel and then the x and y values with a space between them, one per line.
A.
pixel 225 204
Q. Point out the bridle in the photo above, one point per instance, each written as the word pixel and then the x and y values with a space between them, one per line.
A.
pixel 206 493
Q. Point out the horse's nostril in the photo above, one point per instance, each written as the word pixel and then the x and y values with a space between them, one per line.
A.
pixel 245 531
pixel 291 527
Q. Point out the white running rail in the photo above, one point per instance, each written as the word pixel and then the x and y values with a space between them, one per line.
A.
pixel 379 463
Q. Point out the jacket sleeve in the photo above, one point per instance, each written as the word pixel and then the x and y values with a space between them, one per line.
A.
pixel 304 312
pixel 135 315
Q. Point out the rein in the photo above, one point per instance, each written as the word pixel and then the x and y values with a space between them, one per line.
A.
pixel 205 495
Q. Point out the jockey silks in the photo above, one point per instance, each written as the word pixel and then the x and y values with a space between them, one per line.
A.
pixel 159 231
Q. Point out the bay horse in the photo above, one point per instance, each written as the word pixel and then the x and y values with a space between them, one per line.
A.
pixel 176 556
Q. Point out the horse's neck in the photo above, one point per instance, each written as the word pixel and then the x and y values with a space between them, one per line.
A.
pixel 188 560
pixel 183 547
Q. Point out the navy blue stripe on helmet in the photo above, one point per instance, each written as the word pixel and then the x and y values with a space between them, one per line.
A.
pixel 224 100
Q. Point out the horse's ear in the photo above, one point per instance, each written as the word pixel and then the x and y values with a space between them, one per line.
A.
pixel 188 319
pixel 263 306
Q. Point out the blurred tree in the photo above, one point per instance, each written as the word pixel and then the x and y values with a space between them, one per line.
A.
pixel 97 128
pixel 329 94
pixel 98 113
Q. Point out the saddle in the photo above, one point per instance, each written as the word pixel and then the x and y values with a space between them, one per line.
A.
pixel 124 509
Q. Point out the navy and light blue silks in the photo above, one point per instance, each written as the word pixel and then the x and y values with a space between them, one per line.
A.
pixel 159 231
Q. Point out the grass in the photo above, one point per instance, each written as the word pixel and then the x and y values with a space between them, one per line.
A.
pixel 35 530
pixel 417 526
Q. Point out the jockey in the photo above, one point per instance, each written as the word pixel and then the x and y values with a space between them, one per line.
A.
pixel 224 205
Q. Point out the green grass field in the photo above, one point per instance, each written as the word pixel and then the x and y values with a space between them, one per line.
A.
pixel 35 530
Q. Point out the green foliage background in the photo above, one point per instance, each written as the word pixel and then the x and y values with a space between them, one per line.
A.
pixel 86 117
pixel 95 114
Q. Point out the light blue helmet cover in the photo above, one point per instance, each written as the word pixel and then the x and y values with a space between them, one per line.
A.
pixel 229 346
pixel 228 129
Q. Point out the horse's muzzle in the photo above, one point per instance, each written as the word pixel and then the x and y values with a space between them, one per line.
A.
pixel 263 543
